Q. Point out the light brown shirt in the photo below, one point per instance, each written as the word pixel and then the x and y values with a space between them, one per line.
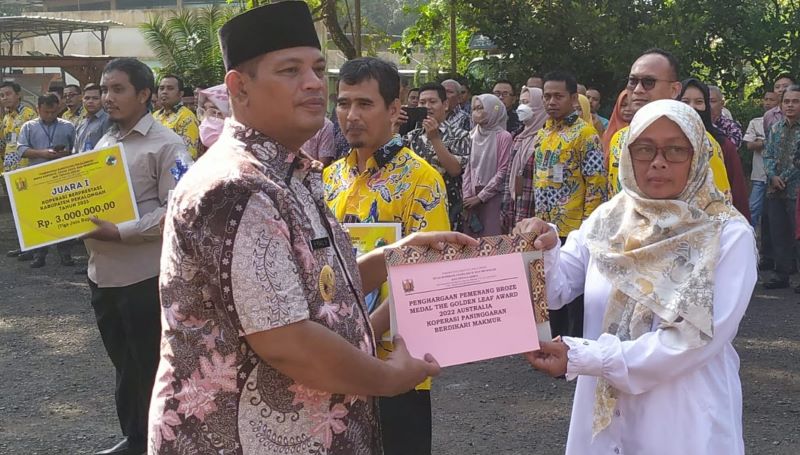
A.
pixel 156 157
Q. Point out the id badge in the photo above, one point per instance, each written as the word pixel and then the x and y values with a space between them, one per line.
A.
pixel 558 173
pixel 12 137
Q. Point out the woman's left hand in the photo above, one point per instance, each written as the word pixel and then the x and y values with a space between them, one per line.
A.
pixel 551 358
pixel 436 240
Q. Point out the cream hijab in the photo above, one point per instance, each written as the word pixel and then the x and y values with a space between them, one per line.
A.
pixel 526 139
pixel 659 255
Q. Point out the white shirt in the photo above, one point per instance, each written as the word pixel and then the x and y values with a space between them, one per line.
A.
pixel 669 401
pixel 755 131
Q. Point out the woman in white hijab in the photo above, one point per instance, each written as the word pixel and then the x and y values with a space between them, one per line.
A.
pixel 667 268
pixel 532 114
pixel 485 172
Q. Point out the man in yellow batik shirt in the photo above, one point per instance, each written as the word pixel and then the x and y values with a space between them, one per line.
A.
pixel 16 116
pixel 567 175
pixel 654 76
pixel 175 116
pixel 380 180
pixel 75 111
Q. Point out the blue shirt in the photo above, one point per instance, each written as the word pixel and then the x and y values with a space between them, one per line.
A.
pixel 89 131
pixel 35 134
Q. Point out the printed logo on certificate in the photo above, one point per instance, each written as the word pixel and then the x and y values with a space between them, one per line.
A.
pixel 53 201
pixel 472 303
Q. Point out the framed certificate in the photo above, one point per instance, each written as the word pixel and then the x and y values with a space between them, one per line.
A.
pixel 472 303
pixel 53 201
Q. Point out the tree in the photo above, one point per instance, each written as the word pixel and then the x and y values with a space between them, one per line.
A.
pixel 430 37
pixel 187 45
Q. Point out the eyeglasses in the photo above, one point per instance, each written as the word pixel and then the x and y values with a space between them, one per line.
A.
pixel 502 94
pixel 647 82
pixel 671 153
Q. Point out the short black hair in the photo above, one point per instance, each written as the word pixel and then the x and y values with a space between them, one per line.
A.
pixel 506 81
pixel 785 76
pixel 75 86
pixel 673 62
pixel 434 86
pixel 791 88
pixel 56 88
pixel 562 76
pixel 365 68
pixel 14 86
pixel 180 81
pixel 91 86
pixel 413 89
pixel 140 75
pixel 47 100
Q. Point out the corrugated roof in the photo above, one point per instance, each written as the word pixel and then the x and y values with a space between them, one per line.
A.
pixel 21 27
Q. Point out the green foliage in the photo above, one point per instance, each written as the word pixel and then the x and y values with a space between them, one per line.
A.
pixel 186 44
pixel 740 45
pixel 430 37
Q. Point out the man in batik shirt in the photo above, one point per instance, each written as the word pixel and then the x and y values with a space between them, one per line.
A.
pixel 266 344
pixel 381 180
pixel 729 127
pixel 569 180
pixel 175 116
pixel 444 146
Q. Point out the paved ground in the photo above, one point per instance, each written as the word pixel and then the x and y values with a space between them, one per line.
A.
pixel 56 383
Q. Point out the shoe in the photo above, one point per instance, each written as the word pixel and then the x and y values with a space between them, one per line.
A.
pixel 124 447
pixel 66 260
pixel 776 283
pixel 766 264
pixel 25 256
pixel 13 253
pixel 37 263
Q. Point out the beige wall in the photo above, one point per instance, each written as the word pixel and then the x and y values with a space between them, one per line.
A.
pixel 127 41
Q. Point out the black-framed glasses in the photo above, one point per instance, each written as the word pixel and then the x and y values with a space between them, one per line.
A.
pixel 647 82
pixel 671 153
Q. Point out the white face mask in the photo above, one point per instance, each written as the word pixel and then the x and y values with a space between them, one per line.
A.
pixel 525 113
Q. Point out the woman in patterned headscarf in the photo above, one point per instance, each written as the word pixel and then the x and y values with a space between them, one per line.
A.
pixel 484 174
pixel 657 372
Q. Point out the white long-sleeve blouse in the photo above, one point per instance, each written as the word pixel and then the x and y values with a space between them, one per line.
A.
pixel 669 401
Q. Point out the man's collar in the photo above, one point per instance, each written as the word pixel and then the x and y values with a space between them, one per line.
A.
pixel 381 157
pixel 566 121
pixel 142 127
pixel 174 108
pixel 269 152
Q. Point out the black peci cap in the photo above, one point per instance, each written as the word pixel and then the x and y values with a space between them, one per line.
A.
pixel 265 29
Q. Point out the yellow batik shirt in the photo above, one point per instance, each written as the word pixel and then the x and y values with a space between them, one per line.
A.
pixel 397 187
pixel 12 124
pixel 716 163
pixel 184 123
pixel 74 118
pixel 570 179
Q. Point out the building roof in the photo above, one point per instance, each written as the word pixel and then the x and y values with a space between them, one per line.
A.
pixel 21 27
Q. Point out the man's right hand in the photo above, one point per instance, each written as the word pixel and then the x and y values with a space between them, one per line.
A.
pixel 778 183
pixel 407 371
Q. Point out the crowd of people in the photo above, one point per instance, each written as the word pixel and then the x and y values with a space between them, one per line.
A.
pixel 234 309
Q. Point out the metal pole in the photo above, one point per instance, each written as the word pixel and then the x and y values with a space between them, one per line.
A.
pixel 453 65
pixel 357 28
pixel 61 53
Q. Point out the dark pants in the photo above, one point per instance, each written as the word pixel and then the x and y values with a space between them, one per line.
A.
pixel 766 240
pixel 129 319
pixel 568 320
pixel 782 235
pixel 406 423
pixel 64 249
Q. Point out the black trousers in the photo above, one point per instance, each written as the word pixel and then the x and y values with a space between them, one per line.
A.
pixel 129 319
pixel 782 232
pixel 766 240
pixel 406 423
pixel 568 320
